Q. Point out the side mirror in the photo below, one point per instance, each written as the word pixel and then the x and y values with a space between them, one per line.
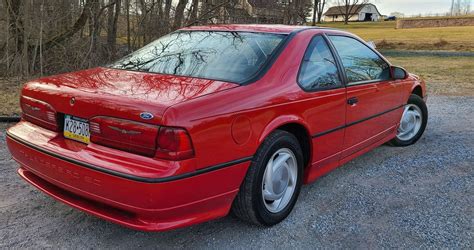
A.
pixel 399 73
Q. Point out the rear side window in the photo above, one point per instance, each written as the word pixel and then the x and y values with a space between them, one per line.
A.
pixel 318 69
pixel 360 62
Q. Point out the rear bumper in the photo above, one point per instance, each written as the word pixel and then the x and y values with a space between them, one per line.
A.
pixel 143 205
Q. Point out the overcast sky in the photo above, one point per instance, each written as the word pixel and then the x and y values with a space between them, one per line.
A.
pixel 412 7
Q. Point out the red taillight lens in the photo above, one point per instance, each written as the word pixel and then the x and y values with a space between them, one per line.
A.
pixel 39 113
pixel 140 138
pixel 127 135
pixel 174 144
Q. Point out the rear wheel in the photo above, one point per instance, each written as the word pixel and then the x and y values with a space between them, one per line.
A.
pixel 273 181
pixel 413 122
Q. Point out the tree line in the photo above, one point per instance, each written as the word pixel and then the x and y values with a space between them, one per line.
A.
pixel 39 37
pixel 43 37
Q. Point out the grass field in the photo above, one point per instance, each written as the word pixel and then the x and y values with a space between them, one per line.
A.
pixel 443 75
pixel 387 37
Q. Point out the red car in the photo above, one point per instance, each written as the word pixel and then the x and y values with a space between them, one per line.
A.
pixel 212 119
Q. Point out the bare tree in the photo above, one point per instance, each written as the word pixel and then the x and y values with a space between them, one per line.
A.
pixel 179 14
pixel 52 36
pixel 297 11
pixel 15 23
pixel 460 7
pixel 466 7
pixel 318 9
pixel 113 15
pixel 193 12
pixel 348 8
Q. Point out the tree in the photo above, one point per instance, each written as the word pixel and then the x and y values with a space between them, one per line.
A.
pixel 297 11
pixel 51 36
pixel 15 23
pixel 348 8
pixel 113 15
pixel 179 14
pixel 397 14
pixel 318 9
pixel 460 7
pixel 193 13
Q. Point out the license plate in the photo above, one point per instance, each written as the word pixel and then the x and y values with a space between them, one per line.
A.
pixel 76 129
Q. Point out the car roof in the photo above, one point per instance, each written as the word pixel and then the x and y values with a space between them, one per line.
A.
pixel 264 28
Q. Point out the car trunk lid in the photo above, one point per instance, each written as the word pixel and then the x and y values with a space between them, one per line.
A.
pixel 119 93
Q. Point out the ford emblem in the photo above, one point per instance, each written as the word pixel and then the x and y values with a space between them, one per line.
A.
pixel 146 116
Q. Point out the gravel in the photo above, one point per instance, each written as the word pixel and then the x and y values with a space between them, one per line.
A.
pixel 420 196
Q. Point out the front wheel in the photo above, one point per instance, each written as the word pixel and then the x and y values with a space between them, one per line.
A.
pixel 273 181
pixel 413 122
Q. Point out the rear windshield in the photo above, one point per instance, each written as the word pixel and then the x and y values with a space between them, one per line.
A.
pixel 227 56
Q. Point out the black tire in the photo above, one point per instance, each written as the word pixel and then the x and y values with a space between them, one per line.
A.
pixel 418 101
pixel 249 205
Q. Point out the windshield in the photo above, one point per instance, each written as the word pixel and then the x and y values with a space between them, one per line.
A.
pixel 227 56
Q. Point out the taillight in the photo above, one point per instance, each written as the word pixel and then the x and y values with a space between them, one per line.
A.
pixel 174 144
pixel 39 113
pixel 122 134
pixel 140 138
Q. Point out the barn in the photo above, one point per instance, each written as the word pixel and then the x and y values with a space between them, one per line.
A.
pixel 358 13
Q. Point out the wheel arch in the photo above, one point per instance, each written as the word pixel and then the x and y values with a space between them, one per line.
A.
pixel 296 126
pixel 417 90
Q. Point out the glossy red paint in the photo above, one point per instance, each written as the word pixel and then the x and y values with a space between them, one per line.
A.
pixel 226 123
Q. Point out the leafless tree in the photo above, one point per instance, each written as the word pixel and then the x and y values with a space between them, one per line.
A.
pixel 348 8
pixel 51 36
pixel 318 9
pixel 460 7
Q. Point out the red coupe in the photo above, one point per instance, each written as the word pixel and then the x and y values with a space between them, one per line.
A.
pixel 212 119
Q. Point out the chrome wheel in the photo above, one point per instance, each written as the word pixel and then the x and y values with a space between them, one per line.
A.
pixel 410 123
pixel 279 180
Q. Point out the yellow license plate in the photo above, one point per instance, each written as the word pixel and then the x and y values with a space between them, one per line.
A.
pixel 76 129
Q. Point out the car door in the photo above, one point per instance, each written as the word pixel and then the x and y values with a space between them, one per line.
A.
pixel 321 79
pixel 373 99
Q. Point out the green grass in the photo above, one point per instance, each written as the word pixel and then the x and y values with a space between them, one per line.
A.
pixel 387 37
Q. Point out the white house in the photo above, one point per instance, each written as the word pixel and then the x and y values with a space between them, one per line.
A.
pixel 360 12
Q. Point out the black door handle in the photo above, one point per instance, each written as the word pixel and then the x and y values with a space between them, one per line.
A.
pixel 352 100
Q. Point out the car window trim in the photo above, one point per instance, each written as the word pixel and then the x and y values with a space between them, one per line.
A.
pixel 367 82
pixel 338 66
pixel 347 83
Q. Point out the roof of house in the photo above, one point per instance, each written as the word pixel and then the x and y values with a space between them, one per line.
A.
pixel 353 9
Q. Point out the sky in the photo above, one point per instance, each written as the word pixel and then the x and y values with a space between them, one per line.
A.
pixel 412 7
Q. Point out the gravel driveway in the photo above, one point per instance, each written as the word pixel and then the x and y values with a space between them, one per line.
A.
pixel 419 196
